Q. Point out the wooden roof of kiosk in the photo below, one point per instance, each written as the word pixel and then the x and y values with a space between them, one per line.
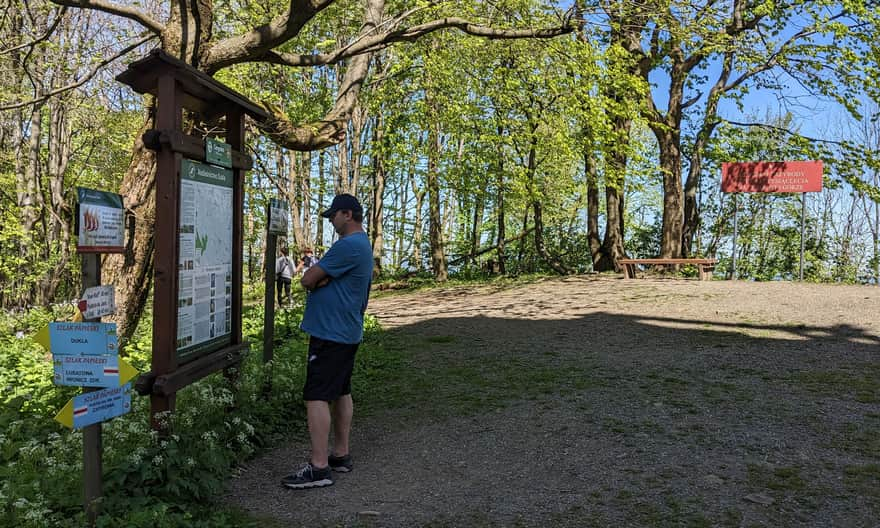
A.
pixel 201 92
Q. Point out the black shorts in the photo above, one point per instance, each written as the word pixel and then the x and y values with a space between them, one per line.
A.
pixel 328 375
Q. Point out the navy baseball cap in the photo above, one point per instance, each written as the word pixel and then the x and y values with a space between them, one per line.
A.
pixel 343 202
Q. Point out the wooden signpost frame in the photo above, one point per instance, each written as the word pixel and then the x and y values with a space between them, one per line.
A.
pixel 177 87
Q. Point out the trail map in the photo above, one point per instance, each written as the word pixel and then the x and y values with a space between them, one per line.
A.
pixel 205 259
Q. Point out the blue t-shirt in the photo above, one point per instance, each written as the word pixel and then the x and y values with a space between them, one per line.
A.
pixel 335 312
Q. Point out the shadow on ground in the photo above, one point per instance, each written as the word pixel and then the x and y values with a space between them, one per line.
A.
pixel 608 417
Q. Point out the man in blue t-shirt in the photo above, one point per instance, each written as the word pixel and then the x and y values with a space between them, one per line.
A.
pixel 338 290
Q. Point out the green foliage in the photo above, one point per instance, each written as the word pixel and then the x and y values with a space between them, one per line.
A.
pixel 150 481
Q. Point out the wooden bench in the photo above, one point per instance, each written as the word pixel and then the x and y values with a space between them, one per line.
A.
pixel 704 265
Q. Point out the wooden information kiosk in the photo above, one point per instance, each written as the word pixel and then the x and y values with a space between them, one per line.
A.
pixel 198 233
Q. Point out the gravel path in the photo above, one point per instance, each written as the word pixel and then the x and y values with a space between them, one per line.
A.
pixel 594 401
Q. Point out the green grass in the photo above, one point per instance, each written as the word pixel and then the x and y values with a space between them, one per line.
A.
pixel 425 281
pixel 862 384
pixel 440 339
pixel 863 479
pixel 462 382
pixel 779 479
pixel 861 438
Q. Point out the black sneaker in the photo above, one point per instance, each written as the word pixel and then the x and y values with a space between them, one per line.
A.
pixel 341 464
pixel 309 477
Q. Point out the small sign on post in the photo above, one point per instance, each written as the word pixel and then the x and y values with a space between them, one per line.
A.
pixel 218 153
pixel 97 301
pixel 95 407
pixel 92 371
pixel 79 339
pixel 279 212
pixel 276 225
pixel 100 222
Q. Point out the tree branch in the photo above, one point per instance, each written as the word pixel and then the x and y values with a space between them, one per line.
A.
pixel 785 131
pixel 332 129
pixel 81 81
pixel 141 17
pixel 42 37
pixel 256 44
pixel 380 41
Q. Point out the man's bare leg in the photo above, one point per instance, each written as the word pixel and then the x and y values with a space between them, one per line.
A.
pixel 318 416
pixel 343 409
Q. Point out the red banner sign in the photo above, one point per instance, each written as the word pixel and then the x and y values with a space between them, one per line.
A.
pixel 772 176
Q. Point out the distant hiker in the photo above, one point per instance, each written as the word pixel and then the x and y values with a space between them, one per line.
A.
pixel 307 261
pixel 283 273
pixel 338 290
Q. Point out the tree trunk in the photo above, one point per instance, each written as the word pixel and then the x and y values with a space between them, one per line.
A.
pixel 185 37
pixel 30 197
pixel 521 254
pixel 132 271
pixel 592 206
pixel 400 232
pixel 477 225
pixel 417 221
pixel 612 244
pixel 438 255
pixel 875 230
pixel 538 210
pixel 322 184
pixel 251 247
pixel 294 197
pixel 670 165
pixel 342 174
pixel 378 192
pixel 499 209
pixel 305 193
pixel 58 235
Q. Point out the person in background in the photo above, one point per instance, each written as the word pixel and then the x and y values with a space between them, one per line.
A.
pixel 308 260
pixel 283 274
pixel 338 291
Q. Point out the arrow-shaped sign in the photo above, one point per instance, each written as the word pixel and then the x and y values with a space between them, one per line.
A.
pixel 92 371
pixel 42 337
pixel 79 339
pixel 94 407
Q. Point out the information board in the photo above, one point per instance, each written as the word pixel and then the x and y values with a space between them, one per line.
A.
pixel 204 284
pixel 772 176
pixel 279 211
pixel 100 222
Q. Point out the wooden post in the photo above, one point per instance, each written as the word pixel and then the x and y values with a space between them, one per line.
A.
pixel 735 228
pixel 168 117
pixel 269 298
pixel 803 231
pixel 235 134
pixel 92 445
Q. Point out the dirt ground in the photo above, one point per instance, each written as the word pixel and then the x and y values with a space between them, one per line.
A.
pixel 597 401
